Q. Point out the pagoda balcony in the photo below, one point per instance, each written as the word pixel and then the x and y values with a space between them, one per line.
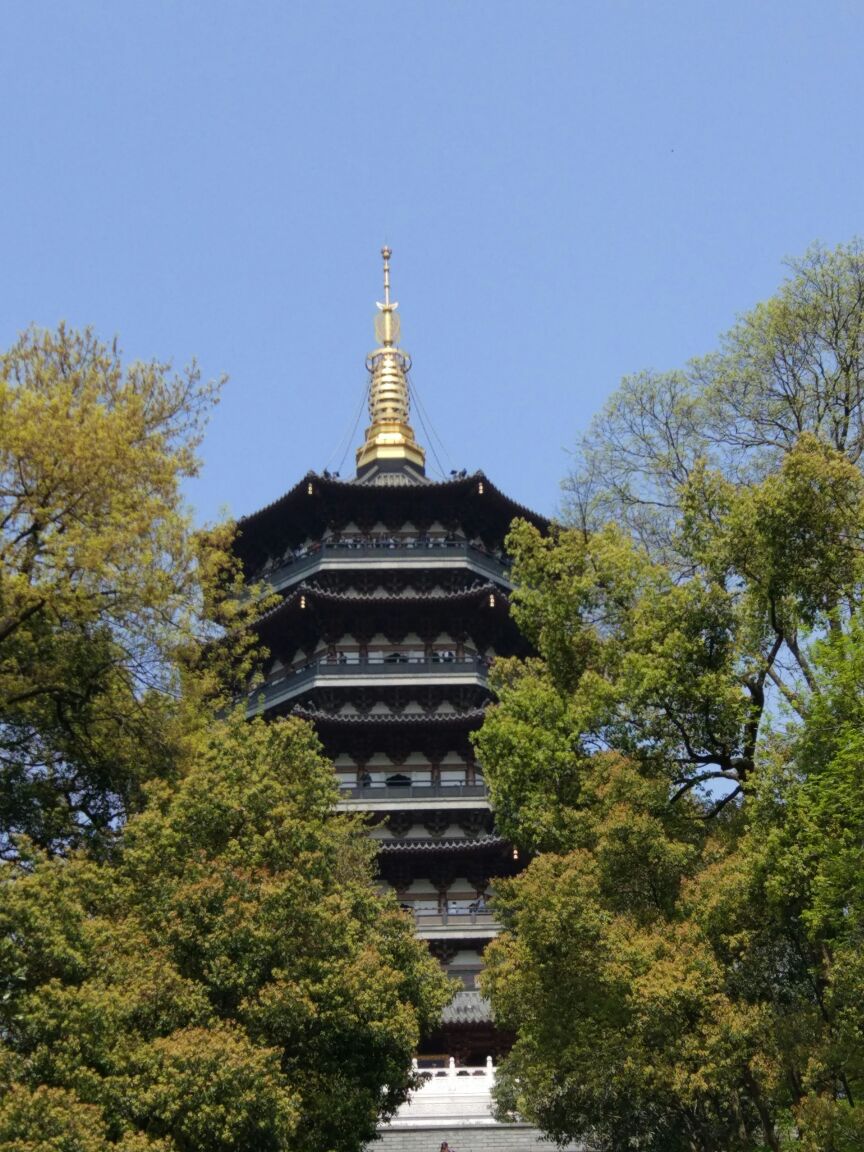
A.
pixel 345 556
pixel 455 923
pixel 364 674
pixel 386 798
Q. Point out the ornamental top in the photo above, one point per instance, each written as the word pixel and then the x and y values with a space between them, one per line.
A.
pixel 390 438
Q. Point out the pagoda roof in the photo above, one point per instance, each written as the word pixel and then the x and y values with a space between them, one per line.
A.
pixel 477 589
pixel 331 484
pixel 398 719
pixel 452 845
pixel 468 1006
pixel 308 509
pixel 298 619
pixel 305 592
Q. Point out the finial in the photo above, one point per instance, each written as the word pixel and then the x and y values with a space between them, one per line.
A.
pixel 389 437
pixel 387 324
pixel 386 254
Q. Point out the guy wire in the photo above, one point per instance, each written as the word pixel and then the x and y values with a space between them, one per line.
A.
pixel 429 430
pixel 347 440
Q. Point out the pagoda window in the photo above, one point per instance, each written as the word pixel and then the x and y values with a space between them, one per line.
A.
pixel 465 966
pixel 464 899
pixel 421 778
pixel 421 887
pixel 452 775
pixel 460 904
pixel 399 780
pixel 421 896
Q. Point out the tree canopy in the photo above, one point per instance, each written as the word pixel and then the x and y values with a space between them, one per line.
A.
pixel 194 956
pixel 106 592
pixel 681 961
pixel 230 980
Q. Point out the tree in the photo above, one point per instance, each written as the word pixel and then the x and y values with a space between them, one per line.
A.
pixel 659 751
pixel 229 980
pixel 106 593
pixel 193 954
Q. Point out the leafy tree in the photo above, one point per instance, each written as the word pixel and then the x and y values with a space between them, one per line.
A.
pixel 105 591
pixel 682 759
pixel 231 980
pixel 193 954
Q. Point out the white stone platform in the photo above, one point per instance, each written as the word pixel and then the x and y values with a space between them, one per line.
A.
pixel 455 1105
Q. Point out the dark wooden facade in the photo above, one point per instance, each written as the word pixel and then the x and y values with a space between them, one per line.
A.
pixel 394 603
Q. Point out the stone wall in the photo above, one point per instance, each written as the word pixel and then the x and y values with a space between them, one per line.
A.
pixel 489 1137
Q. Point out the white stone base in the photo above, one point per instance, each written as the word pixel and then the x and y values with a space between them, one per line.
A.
pixel 463 1137
pixel 455 1105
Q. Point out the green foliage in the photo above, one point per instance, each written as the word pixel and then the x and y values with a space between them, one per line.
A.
pixel 682 964
pixel 106 593
pixel 193 955
pixel 230 980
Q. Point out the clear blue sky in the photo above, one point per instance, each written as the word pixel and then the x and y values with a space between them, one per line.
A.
pixel 573 190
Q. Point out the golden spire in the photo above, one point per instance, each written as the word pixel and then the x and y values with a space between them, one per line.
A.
pixel 389 436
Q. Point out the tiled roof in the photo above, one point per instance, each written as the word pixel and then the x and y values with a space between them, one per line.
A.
pixel 358 718
pixel 312 591
pixel 459 845
pixel 467 1007
pixel 478 589
pixel 462 484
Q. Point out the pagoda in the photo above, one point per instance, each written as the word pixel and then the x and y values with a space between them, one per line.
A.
pixel 394 600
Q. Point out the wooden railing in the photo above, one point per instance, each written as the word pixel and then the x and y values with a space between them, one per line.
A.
pixel 294 681
pixel 305 563
pixel 413 791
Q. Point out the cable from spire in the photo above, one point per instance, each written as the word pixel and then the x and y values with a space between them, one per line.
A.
pixel 344 446
pixel 430 430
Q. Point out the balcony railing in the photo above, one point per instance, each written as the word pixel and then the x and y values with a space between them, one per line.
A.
pixel 374 792
pixel 455 918
pixel 293 682
pixel 347 553
pixel 448 1090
